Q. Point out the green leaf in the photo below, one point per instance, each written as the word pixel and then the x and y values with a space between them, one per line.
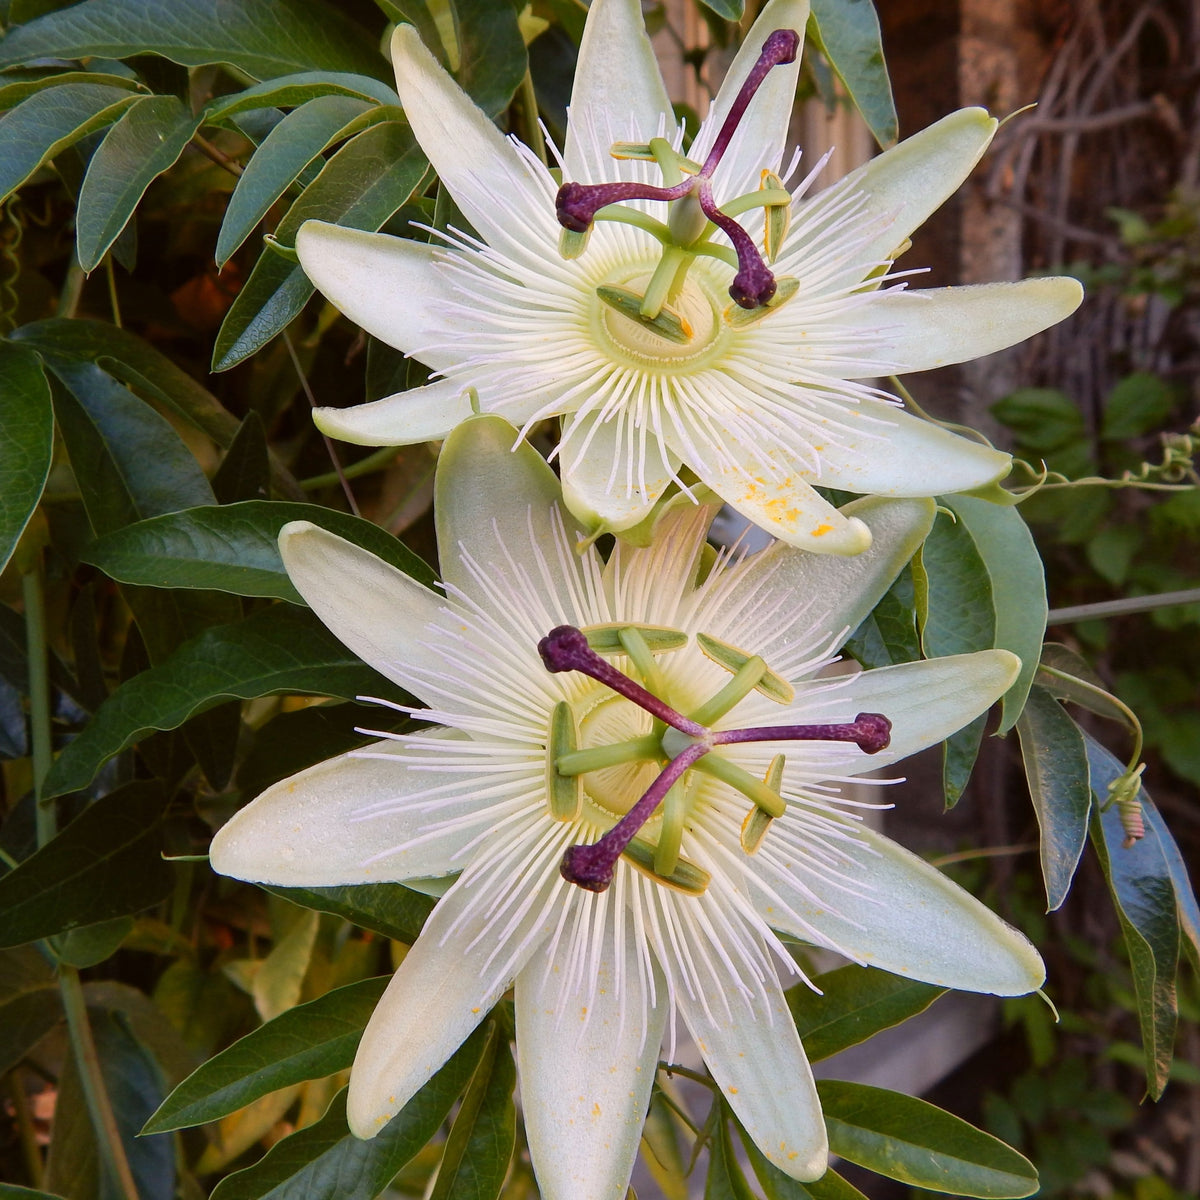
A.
pixel 849 36
pixel 889 633
pixel 326 1162
pixel 282 649
pixel 49 121
pixel 263 39
pixel 309 1041
pixel 89 945
pixel 1056 767
pixel 244 471
pixel 283 154
pixel 1185 897
pixel 1043 419
pixel 29 1003
pixel 145 142
pixel 366 181
pixel 481 1140
pixel 10 1191
pixel 855 1003
pixel 233 548
pixel 1018 587
pixel 291 91
pixel 1143 887
pixel 11 94
pixel 778 1186
pixel 729 10
pixel 26 441
pixel 389 909
pixel 959 752
pixel 1139 404
pixel 917 1143
pixel 105 864
pixel 725 1179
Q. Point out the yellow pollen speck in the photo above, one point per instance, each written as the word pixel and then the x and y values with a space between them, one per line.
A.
pixel 474 1010
pixel 595 1110
pixel 733 1091
pixel 821 530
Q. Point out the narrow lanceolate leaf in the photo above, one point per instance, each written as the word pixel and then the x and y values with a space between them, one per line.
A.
pixel 1185 895
pixel 11 94
pixel 262 39
pixel 366 181
pixel 389 909
pixel 920 1144
pixel 282 649
pixel 144 143
pixel 725 1178
pixel 49 121
pixel 26 441
pixel 1056 768
pixel 309 1041
pixel 327 1162
pixel 778 1186
pixel 291 91
pixel 1144 890
pixel 233 548
pixel 106 863
pixel 10 1191
pixel 848 32
pixel 855 1003
pixel 481 1140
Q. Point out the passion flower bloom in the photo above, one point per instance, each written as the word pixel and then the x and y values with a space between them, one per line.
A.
pixel 633 327
pixel 713 703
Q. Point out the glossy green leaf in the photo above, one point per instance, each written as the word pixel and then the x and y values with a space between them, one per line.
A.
pixel 1056 768
pixel 145 142
pixel 26 441
pixel 481 1140
pixel 309 1041
pixel 920 1144
pixel 262 39
pixel 855 1003
pixel 326 1162
pixel 233 548
pixel 849 35
pixel 728 10
pixel 46 123
pixel 104 864
pixel 1143 887
pixel 889 633
pixel 11 94
pixel 725 1179
pixel 366 181
pixel 282 649
pixel 390 909
pixel 778 1186
pixel 291 91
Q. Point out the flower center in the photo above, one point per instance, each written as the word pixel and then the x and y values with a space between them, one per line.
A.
pixel 656 750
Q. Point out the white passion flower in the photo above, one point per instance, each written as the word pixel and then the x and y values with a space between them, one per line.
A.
pixel 563 690
pixel 614 310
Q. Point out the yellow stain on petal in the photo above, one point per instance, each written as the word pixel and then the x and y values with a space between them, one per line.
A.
pixel 595 1110
pixel 821 531
pixel 733 1091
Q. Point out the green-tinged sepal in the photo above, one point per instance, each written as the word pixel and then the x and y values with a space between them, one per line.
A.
pixel 686 877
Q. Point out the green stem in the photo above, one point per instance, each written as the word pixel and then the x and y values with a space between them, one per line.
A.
pixel 72 289
pixel 1121 608
pixel 373 462
pixel 39 697
pixel 529 114
pixel 29 1145
pixel 83 1046
pixel 1131 718
pixel 110 272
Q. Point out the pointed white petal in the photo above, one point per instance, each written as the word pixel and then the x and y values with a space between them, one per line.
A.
pixel 618 94
pixel 587 1061
pixel 319 828
pixel 612 474
pixel 423 414
pixel 897 912
pixel 756 1058
pixel 920 330
pixel 380 613
pixel 486 175
pixel 444 987
pixel 388 285
pixel 760 137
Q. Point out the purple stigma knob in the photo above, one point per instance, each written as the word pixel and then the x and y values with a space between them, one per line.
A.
pixel 566 648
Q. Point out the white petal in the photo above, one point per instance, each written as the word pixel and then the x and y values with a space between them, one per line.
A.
pixel 760 137
pixel 756 1058
pixel 587 1061
pixel 920 330
pixel 317 828
pixel 378 612
pixel 616 480
pixel 442 990
pixel 618 94
pixel 485 173
pixel 423 414
pixel 388 285
pixel 897 912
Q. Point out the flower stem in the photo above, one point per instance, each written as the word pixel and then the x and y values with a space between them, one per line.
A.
pixel 1122 607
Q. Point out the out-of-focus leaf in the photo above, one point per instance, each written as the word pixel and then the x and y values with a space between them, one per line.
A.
pixel 145 142
pixel 1056 767
pixel 327 1162
pixel 309 1041
pixel 1043 419
pixel 1139 404
pixel 11 1191
pixel 91 944
pixel 291 91
pixel 917 1143
pixel 244 473
pixel 366 181
pixel 263 39
pixel 728 10
pixel 282 649
pixel 233 548
pixel 46 123
pixel 1143 887
pixel 26 441
pixel 106 863
pixel 849 35
pixel 855 1003
pixel 279 976
pixel 29 1003
pixel 387 908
